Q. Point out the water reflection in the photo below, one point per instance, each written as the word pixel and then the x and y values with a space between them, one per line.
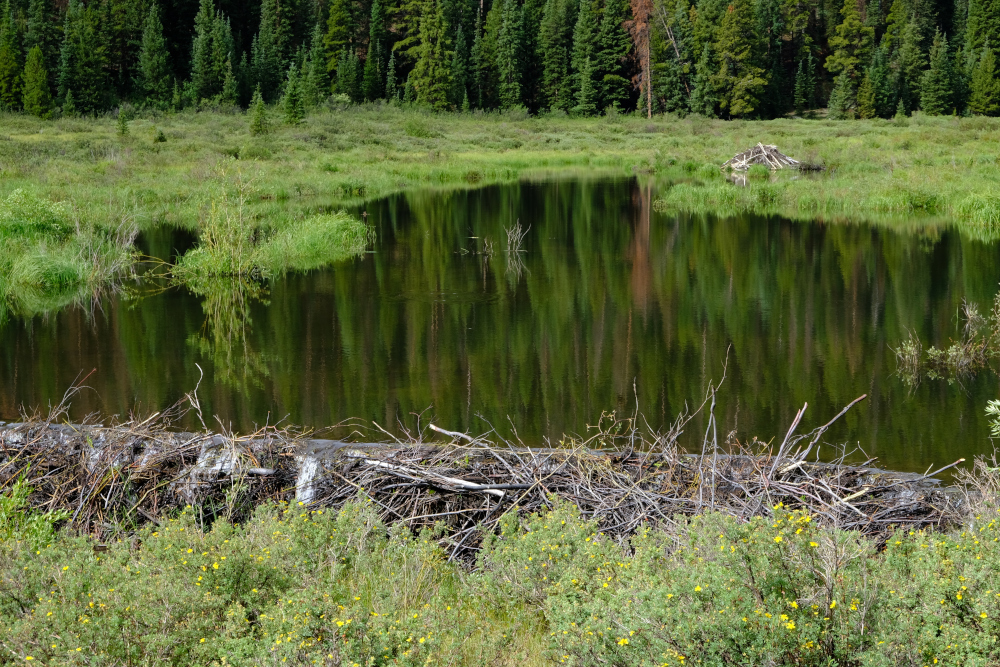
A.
pixel 610 304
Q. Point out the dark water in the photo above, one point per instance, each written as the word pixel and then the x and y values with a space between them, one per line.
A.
pixel 614 303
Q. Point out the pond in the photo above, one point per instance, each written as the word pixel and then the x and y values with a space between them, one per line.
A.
pixel 612 306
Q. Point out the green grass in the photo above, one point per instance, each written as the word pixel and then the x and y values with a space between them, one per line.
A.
pixel 923 170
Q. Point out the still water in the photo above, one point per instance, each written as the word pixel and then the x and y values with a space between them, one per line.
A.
pixel 611 305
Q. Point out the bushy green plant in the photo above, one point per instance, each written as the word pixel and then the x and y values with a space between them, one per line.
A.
pixel 19 523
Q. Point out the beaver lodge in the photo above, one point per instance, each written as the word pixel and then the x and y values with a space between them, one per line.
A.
pixel 138 471
pixel 766 155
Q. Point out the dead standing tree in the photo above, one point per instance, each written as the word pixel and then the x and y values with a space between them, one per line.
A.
pixel 638 28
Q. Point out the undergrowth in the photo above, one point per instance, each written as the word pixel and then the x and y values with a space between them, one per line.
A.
pixel 299 586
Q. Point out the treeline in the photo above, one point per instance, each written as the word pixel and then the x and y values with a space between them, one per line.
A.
pixel 726 58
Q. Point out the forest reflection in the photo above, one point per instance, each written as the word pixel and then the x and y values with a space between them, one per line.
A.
pixel 612 305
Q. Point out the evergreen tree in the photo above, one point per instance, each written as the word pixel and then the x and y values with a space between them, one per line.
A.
pixel 315 81
pixel 909 66
pixel 852 43
pixel 585 105
pixel 429 78
pixel 704 98
pixel 509 54
pixel 984 94
pixel 339 36
pixel 866 98
pixel 459 68
pixel 801 95
pixel 771 30
pixel 880 80
pixel 349 76
pixel 895 24
pixel 842 98
pixel 983 25
pixel 258 114
pixel 937 85
pixel 554 42
pixel 740 79
pixel 268 50
pixel 585 50
pixel 373 79
pixel 391 90
pixel 42 31
pixel 204 82
pixel 229 94
pixel 69 105
pixel 477 65
pixel 612 49
pixel 154 81
pixel 10 61
pixel 82 60
pixel 37 97
pixel 292 104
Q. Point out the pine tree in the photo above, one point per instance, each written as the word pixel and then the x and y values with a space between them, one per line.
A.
pixel 866 98
pixel 258 114
pixel 984 95
pixel 69 105
pixel 339 36
pixel 154 70
pixel 37 97
pixel 852 43
pixel 880 77
pixel 554 42
pixel 465 103
pixel 771 31
pixel 983 25
pixel 10 62
pixel 268 50
pixel 429 78
pixel 204 83
pixel 584 50
pixel 391 90
pixel 230 90
pixel 292 104
pixel 315 81
pixel 842 98
pixel 704 98
pixel 459 68
pixel 895 24
pixel 937 84
pixel 349 76
pixel 82 60
pixel 510 54
pixel 585 103
pixel 373 81
pixel 801 96
pixel 740 79
pixel 612 48
pixel 42 31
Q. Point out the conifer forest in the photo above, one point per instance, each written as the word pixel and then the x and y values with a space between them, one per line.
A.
pixel 751 59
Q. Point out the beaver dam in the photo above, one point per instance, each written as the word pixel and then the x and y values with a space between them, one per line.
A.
pixel 119 476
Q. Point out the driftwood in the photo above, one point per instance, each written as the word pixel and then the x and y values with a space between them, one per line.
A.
pixel 762 154
pixel 622 476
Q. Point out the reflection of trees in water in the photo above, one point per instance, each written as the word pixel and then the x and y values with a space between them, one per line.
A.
pixel 223 337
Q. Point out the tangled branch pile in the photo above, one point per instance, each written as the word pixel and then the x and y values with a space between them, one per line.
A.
pixel 762 154
pixel 109 478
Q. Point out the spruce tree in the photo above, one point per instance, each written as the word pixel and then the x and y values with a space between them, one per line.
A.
pixel 373 84
pixel 37 96
pixel 391 90
pixel 10 62
pixel 801 96
pixel 895 24
pixel 983 25
pixel 340 26
pixel 704 98
pixel 866 98
pixel 585 102
pixel 554 49
pixel 230 89
pixel 69 105
pixel 459 69
pixel 315 81
pixel 203 80
pixel 258 114
pixel 611 51
pixel 852 43
pixel 771 31
pixel 909 66
pixel 740 79
pixel 268 51
pixel 349 76
pixel 82 60
pixel 984 94
pixel 43 31
pixel 154 80
pixel 842 97
pixel 510 54
pixel 937 84
pixel 292 104
pixel 879 75
pixel 585 48
pixel 429 78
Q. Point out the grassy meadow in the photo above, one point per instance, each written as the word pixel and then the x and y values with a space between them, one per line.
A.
pixel 273 200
